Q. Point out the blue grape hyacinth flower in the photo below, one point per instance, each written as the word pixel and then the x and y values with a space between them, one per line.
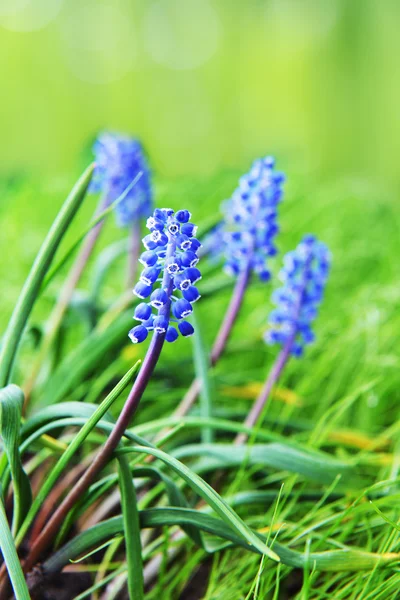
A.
pixel 304 275
pixel 251 220
pixel 167 283
pixel 119 160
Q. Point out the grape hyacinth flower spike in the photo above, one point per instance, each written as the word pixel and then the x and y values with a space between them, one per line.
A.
pixel 123 175
pixel 119 161
pixel 167 283
pixel 251 220
pixel 304 275
pixel 246 238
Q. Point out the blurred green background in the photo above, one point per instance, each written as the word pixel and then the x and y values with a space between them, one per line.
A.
pixel 206 84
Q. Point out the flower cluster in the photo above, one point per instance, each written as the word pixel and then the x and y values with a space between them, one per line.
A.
pixel 250 218
pixel 304 276
pixel 119 160
pixel 170 259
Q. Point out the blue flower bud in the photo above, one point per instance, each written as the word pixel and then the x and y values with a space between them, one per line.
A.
pixel 193 274
pixel 159 298
pixel 160 324
pixel 150 275
pixel 159 214
pixel 191 294
pixel 142 290
pixel 138 334
pixel 158 237
pixel 148 258
pixel 142 312
pixel 183 242
pixel 186 328
pixel 188 229
pixel 194 244
pixel 182 281
pixel 173 228
pixel 149 243
pixel 171 335
pixel 183 216
pixel 189 259
pixel 182 308
pixel 154 223
pixel 173 264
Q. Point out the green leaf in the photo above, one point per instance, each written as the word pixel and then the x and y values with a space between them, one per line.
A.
pixel 97 413
pixel 201 361
pixel 318 466
pixel 345 559
pixel 35 278
pixel 133 544
pixel 11 403
pixel 11 559
pixel 208 494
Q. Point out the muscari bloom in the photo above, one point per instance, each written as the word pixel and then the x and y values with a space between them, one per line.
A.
pixel 167 283
pixel 119 160
pixel 304 275
pixel 250 220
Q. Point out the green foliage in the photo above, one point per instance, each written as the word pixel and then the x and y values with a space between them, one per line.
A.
pixel 11 403
pixel 317 487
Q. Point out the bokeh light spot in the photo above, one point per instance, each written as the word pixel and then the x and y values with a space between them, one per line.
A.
pixel 28 15
pixel 98 42
pixel 181 34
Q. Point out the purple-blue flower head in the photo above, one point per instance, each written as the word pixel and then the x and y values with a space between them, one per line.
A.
pixel 304 275
pixel 167 282
pixel 119 160
pixel 250 220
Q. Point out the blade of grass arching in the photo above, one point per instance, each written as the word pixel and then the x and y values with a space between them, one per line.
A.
pixel 201 362
pixel 11 559
pixel 133 544
pixel 210 496
pixel 82 236
pixel 11 403
pixel 333 561
pixel 63 461
pixel 317 466
pixel 38 271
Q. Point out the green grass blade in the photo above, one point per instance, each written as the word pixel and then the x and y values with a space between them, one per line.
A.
pixel 133 544
pixel 317 466
pixel 35 278
pixel 201 361
pixel 209 495
pixel 63 461
pixel 11 403
pixel 11 559
pixel 341 560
